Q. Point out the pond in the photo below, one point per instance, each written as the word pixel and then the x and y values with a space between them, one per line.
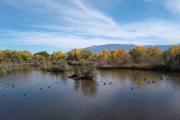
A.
pixel 114 95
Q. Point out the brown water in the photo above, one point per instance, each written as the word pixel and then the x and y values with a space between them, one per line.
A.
pixel 114 95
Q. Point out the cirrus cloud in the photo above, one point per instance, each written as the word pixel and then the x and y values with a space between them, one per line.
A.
pixel 79 25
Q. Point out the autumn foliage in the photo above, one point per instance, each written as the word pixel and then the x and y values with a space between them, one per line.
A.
pixel 135 56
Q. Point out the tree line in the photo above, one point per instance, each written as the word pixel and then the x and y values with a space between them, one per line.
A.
pixel 137 55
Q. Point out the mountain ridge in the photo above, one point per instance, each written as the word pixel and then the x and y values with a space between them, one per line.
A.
pixel 127 47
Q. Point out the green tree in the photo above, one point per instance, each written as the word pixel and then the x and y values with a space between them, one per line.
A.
pixel 42 53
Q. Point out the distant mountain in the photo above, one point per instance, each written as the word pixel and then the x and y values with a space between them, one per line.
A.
pixel 127 47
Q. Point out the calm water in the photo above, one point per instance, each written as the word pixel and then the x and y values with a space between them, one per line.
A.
pixel 115 95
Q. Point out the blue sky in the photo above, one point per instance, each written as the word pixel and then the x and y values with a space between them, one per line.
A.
pixel 52 25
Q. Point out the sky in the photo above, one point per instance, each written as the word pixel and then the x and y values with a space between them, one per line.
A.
pixel 53 25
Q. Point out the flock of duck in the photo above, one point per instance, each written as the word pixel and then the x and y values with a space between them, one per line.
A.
pixel 104 83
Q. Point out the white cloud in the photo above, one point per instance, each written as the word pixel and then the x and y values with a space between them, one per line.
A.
pixel 56 40
pixel 173 5
pixel 85 26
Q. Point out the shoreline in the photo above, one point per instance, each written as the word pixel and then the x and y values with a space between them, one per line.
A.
pixel 10 67
pixel 145 67
pixel 159 68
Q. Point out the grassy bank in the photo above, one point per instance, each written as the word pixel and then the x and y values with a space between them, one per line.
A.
pixel 131 66
pixel 54 68
pixel 10 67
pixel 152 67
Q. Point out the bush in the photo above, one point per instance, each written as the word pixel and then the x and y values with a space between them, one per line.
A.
pixel 84 72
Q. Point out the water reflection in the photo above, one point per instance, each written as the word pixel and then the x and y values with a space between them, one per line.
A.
pixel 140 78
pixel 16 77
pixel 115 94
pixel 89 88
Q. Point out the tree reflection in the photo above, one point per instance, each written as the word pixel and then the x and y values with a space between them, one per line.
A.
pixel 88 87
